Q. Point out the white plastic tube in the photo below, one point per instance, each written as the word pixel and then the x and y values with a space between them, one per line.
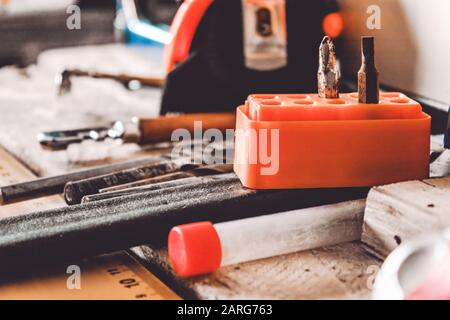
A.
pixel 203 247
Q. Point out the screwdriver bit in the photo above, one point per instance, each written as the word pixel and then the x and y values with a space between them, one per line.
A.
pixel 328 74
pixel 368 82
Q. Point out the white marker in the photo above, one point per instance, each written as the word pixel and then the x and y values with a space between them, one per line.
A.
pixel 204 247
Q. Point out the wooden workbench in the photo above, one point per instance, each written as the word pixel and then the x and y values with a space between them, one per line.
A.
pixel 28 104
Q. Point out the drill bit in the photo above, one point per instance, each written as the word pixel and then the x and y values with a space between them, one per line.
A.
pixel 368 85
pixel 328 74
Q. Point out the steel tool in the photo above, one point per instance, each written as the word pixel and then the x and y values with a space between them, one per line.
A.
pixel 139 130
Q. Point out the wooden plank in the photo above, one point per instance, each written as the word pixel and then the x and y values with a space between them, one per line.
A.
pixel 398 212
pixel 441 166
pixel 101 277
pixel 116 276
pixel 12 171
pixel 343 271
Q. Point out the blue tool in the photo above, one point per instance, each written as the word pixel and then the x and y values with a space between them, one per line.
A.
pixel 139 30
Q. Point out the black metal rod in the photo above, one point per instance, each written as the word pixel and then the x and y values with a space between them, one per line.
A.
pixel 55 184
pixel 74 191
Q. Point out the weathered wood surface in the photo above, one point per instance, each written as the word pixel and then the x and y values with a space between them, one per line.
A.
pixel 398 212
pixel 441 166
pixel 12 171
pixel 343 271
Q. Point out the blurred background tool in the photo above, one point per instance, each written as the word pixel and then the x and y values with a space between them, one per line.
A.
pixel 145 21
pixel 329 73
pixel 29 27
pixel 132 82
pixel 224 50
pixel 368 83
pixel 140 130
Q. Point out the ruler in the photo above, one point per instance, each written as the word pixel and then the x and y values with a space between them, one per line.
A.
pixel 113 276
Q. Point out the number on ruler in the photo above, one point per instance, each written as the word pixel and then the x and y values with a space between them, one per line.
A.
pixel 129 283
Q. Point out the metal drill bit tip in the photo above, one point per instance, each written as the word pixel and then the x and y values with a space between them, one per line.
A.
pixel 328 74
pixel 368 82
pixel 368 46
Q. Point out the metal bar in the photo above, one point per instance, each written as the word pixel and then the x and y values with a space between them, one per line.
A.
pixel 55 184
pixel 74 191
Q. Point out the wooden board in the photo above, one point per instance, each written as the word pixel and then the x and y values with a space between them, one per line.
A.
pixel 12 171
pixel 343 271
pixel 398 212
pixel 116 276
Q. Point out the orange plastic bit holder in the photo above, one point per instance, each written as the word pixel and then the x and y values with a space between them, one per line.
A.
pixel 303 141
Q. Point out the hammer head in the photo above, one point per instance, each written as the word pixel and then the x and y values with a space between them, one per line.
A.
pixel 63 82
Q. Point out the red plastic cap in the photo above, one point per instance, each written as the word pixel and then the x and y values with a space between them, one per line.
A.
pixel 194 249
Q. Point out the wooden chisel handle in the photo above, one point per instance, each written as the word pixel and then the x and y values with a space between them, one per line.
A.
pixel 154 130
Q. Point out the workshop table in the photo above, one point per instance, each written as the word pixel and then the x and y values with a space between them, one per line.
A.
pixel 28 105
